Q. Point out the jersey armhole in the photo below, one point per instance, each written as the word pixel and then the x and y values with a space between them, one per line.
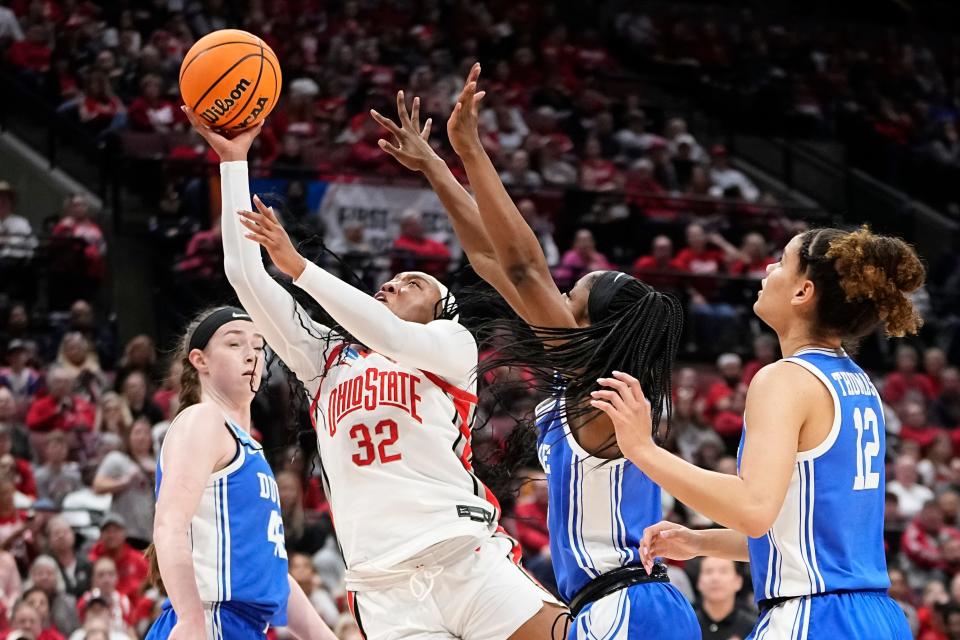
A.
pixel 233 465
pixel 834 432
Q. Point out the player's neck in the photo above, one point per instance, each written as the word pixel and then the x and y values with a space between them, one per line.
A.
pixel 236 412
pixel 794 340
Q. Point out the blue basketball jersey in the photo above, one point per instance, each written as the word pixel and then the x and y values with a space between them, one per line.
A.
pixel 598 508
pixel 236 535
pixel 828 535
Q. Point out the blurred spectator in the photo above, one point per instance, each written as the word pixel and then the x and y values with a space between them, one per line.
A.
pixel 17 241
pixel 32 53
pixel 698 257
pixel 140 354
pixel 905 383
pixel 129 476
pixel 914 425
pixel 414 251
pixel 60 409
pixel 934 364
pixel 76 356
pixel 203 259
pixel 685 160
pixel 727 181
pixel 45 575
pixel 114 415
pixel 57 477
pixel 16 468
pixel 151 111
pixel 302 571
pixel 129 570
pixel 82 264
pixel 10 30
pixel 730 367
pixel 945 147
pixel 355 252
pixel 167 397
pixel 946 408
pixel 530 514
pixel 911 495
pixel 720 618
pixel 133 390
pixel 581 259
pixel 22 380
pixel 543 228
pixel 554 168
pixel 24 623
pixel 37 598
pixel 596 172
pixel 658 269
pixel 519 177
pixel 634 140
pixel 937 468
pixel 10 582
pixel 16 532
pixel 754 258
pixel 104 588
pixel 98 108
pixel 304 532
pixel 62 546
pixel 901 594
pixel 82 319
pixel 12 423
pixel 765 351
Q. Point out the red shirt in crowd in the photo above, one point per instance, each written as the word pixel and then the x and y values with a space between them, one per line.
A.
pixel 429 256
pixel 531 526
pixel 659 276
pixel 924 548
pixel 598 175
pixel 145 115
pixel 71 413
pixel 121 612
pixel 30 56
pixel 898 385
pixel 706 261
pixel 132 568
pixel 755 269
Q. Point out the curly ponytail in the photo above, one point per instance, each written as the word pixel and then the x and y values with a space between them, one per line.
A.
pixel 862 279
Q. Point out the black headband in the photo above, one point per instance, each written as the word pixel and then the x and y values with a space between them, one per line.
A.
pixel 602 293
pixel 209 325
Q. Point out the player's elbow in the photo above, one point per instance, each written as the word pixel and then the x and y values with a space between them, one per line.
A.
pixel 519 272
pixel 757 521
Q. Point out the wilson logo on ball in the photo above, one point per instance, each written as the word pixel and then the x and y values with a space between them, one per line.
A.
pixel 222 106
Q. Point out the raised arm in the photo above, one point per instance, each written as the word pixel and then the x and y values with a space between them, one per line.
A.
pixel 514 242
pixel 413 151
pixel 299 341
pixel 442 347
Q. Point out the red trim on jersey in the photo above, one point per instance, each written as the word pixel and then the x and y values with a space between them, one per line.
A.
pixel 334 353
pixel 516 553
pixel 352 605
pixel 456 392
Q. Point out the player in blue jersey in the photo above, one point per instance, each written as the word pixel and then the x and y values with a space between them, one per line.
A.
pixel 599 502
pixel 806 508
pixel 218 535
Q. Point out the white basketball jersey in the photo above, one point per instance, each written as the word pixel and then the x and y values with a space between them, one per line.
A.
pixel 396 457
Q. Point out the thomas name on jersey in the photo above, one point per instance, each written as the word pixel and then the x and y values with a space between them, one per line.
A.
pixel 372 389
pixel 854 384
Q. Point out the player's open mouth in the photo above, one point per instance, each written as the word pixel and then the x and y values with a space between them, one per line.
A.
pixel 381 296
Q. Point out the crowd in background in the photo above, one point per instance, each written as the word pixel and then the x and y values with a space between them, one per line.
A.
pixel 82 415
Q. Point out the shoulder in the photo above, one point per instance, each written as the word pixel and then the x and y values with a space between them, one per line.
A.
pixel 453 329
pixel 783 380
pixel 197 423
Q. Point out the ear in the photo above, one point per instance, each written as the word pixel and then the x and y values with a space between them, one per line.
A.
pixel 804 292
pixel 198 360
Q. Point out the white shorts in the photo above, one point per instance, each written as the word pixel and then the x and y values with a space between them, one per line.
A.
pixel 483 596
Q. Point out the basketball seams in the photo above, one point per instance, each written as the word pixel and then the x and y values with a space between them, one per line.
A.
pixel 222 76
pixel 253 92
pixel 184 67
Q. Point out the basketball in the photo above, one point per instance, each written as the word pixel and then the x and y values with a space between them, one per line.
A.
pixel 231 79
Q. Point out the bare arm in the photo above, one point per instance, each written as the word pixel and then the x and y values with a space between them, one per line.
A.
pixel 302 619
pixel 413 151
pixel 676 542
pixel 196 445
pixel 514 242
pixel 777 405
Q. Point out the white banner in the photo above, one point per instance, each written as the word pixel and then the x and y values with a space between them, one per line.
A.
pixel 379 209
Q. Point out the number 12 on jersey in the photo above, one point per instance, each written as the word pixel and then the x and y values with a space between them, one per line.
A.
pixel 868 446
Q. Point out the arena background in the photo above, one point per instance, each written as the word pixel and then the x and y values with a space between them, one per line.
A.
pixel 684 142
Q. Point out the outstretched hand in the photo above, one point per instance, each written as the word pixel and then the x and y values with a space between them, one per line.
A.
pixel 629 410
pixel 229 149
pixel 462 126
pixel 410 147
pixel 264 229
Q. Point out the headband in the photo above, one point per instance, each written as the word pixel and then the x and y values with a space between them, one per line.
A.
pixel 209 325
pixel 604 289
pixel 446 298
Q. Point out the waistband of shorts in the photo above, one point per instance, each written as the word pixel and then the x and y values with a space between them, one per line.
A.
pixel 613 581
pixel 441 554
pixel 770 603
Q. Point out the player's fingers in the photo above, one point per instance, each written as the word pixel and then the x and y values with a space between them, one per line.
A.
pixel 415 113
pixel 620 387
pixel 389 148
pixel 425 134
pixel 402 110
pixel 269 219
pixel 384 122
pixel 632 384
pixel 606 407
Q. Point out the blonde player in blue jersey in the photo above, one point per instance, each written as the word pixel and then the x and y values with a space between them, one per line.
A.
pixel 806 508
pixel 218 535
pixel 599 503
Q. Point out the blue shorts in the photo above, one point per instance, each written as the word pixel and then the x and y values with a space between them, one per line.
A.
pixel 649 610
pixel 224 622
pixel 857 615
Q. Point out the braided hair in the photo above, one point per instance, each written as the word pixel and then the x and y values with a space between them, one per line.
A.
pixel 633 328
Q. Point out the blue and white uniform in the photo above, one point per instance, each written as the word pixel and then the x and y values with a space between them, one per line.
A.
pixel 238 549
pixel 598 510
pixel 825 550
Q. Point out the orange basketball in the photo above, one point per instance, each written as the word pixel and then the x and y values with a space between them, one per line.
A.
pixel 231 79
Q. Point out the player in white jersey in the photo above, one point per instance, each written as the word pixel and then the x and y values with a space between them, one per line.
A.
pixel 806 508
pixel 392 407
pixel 218 535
